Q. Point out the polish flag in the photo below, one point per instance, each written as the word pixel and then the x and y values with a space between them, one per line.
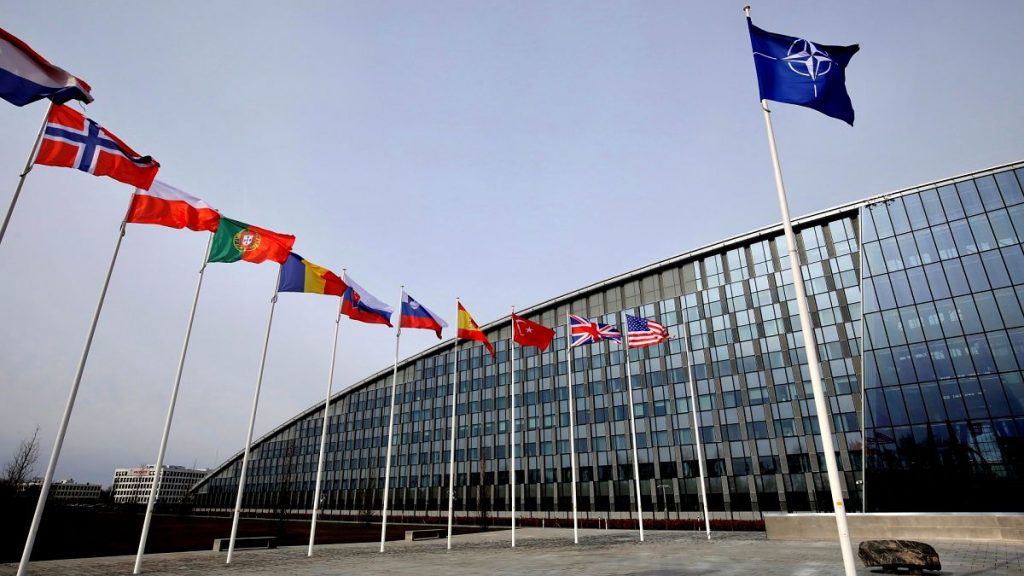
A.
pixel 167 206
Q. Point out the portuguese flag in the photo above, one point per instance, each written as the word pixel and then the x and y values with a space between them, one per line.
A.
pixel 236 241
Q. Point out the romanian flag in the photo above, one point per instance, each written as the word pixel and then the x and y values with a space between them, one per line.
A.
pixel 301 275
pixel 236 241
pixel 469 330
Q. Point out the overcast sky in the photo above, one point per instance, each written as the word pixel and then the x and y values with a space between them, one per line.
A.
pixel 504 152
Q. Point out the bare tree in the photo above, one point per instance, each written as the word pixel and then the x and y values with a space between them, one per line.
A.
pixel 19 469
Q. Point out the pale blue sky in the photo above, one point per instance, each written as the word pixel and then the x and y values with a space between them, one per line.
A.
pixel 504 152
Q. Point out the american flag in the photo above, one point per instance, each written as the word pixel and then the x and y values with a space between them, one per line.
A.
pixel 584 331
pixel 643 332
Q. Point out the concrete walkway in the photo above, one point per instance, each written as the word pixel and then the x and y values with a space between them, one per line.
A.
pixel 544 551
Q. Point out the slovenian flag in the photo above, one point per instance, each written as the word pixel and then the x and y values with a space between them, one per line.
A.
pixel 25 76
pixel 416 315
pixel 358 304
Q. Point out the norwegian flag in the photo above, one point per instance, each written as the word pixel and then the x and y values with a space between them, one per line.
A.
pixel 71 140
pixel 643 332
pixel 584 331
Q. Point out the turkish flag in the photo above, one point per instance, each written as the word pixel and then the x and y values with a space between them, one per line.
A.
pixel 531 334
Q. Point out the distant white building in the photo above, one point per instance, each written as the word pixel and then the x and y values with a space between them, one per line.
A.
pixel 132 485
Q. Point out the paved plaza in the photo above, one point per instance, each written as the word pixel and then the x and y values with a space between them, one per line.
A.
pixel 545 551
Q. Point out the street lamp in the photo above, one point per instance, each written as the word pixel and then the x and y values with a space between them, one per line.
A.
pixel 662 486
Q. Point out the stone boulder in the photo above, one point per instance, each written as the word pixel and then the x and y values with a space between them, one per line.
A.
pixel 893 555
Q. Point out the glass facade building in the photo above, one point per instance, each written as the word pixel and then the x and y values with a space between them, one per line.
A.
pixel 916 297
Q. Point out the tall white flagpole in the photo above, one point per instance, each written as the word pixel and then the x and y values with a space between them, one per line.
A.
pixel 51 467
pixel 252 422
pixel 24 173
pixel 323 436
pixel 451 459
pixel 512 417
pixel 632 430
pixel 158 472
pixel 696 432
pixel 572 428
pixel 811 349
pixel 391 426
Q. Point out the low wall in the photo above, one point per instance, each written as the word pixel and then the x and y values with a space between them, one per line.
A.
pixel 908 526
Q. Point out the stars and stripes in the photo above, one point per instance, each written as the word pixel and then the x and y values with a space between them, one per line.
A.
pixel 584 331
pixel 642 332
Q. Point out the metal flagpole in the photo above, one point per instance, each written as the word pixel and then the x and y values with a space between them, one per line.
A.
pixel 323 435
pixel 451 460
pixel 512 417
pixel 391 426
pixel 68 407
pixel 632 429
pixel 252 422
pixel 158 471
pixel 811 349
pixel 24 173
pixel 696 432
pixel 572 429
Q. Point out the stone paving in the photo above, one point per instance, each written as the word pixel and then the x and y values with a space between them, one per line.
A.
pixel 545 551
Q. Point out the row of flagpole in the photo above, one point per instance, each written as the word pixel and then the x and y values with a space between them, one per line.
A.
pixel 780 63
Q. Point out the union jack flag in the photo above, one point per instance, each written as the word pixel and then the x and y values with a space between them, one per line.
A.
pixel 584 331
pixel 643 332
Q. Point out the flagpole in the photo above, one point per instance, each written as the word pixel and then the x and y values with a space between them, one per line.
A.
pixel 632 430
pixel 451 460
pixel 512 389
pixel 572 429
pixel 158 471
pixel 696 431
pixel 252 422
pixel 51 467
pixel 24 173
pixel 323 435
pixel 811 349
pixel 391 425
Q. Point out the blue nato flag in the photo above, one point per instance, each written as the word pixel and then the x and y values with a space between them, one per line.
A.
pixel 797 71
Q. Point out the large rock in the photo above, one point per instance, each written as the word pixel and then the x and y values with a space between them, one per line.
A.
pixel 894 554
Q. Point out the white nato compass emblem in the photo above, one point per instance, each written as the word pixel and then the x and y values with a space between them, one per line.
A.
pixel 806 59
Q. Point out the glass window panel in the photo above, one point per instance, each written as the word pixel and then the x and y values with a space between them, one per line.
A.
pixel 883 292
pixel 875 260
pixel 1009 307
pixel 951 203
pixel 982 232
pixel 944 242
pixel 952 400
pixel 908 248
pixel 995 271
pixel 915 211
pixel 904 365
pixel 1017 217
pixel 911 324
pixel 971 390
pixel 955 276
pixel 891 253
pixel 922 361
pixel 940 359
pixel 929 321
pixel 901 289
pixel 962 235
pixel 937 280
pixel 915 404
pixel 927 252
pixel 1002 352
pixel 1009 188
pixel 893 327
pixel 897 408
pixel 976 276
pixel 969 197
pixel 933 401
pixel 1002 228
pixel 919 283
pixel 1014 258
pixel 960 355
pixel 867 225
pixel 949 318
pixel 989 193
pixel 994 396
pixel 933 207
pixel 968 314
pixel 980 354
pixel 900 222
pixel 883 226
pixel 875 331
pixel 988 311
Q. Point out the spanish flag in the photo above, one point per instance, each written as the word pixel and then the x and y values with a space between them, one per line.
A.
pixel 301 275
pixel 469 330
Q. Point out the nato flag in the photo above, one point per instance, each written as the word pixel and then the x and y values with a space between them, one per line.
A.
pixel 798 71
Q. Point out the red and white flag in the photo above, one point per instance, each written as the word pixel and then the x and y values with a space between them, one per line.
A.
pixel 168 206
pixel 529 333
pixel 71 140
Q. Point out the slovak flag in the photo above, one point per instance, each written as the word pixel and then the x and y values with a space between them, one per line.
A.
pixel 71 140
pixel 416 315
pixel 358 304
pixel 25 76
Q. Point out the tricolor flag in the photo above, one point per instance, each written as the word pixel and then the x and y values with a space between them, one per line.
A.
pixel 236 241
pixel 529 333
pixel 168 206
pixel 358 304
pixel 416 315
pixel 642 332
pixel 70 140
pixel 301 275
pixel 25 76
pixel 469 330
pixel 584 331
